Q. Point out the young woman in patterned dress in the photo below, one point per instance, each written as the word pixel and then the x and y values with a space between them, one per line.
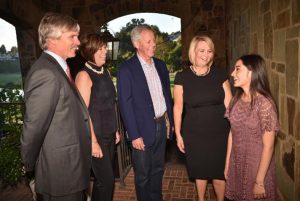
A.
pixel 250 165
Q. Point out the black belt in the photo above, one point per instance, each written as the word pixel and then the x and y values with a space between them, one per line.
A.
pixel 158 119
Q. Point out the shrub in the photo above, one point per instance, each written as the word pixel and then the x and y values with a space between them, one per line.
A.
pixel 11 102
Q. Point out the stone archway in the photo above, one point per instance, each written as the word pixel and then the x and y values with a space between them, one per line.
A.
pixel 202 16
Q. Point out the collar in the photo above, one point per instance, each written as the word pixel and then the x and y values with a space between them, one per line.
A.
pixel 59 59
pixel 143 62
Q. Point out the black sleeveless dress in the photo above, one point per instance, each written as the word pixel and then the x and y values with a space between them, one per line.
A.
pixel 103 116
pixel 204 128
pixel 102 102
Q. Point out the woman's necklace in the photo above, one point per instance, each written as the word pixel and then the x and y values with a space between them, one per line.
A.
pixel 96 71
pixel 200 74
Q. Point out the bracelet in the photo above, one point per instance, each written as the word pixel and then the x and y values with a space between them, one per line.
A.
pixel 260 185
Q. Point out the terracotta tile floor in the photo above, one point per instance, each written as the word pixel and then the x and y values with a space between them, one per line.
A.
pixel 176 185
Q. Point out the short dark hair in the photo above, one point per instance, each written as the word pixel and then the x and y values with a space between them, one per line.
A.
pixel 90 44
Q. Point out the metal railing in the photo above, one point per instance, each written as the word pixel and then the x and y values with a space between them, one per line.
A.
pixel 124 162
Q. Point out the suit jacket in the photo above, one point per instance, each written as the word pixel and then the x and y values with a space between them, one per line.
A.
pixel 135 101
pixel 55 140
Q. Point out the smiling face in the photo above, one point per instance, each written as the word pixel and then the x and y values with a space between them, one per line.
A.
pixel 203 54
pixel 146 45
pixel 241 76
pixel 66 45
pixel 100 55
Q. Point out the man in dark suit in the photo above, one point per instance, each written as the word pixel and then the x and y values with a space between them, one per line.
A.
pixel 56 136
pixel 145 103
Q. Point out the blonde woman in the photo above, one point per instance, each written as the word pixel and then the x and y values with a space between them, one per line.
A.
pixel 202 91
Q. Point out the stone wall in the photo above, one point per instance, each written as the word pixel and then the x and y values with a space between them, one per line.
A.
pixel 271 28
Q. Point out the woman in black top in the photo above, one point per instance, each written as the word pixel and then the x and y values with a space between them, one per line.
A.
pixel 202 91
pixel 96 87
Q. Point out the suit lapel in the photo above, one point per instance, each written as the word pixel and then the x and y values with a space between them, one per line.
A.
pixel 140 74
pixel 72 85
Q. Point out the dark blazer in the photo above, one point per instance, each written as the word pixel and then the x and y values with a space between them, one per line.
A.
pixel 56 136
pixel 135 101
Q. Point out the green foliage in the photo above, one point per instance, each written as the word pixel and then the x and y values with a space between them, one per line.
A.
pixel 11 101
pixel 2 49
pixel 14 51
pixel 167 50
pixel 174 60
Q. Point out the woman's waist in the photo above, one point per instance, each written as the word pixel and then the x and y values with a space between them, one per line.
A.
pixel 204 105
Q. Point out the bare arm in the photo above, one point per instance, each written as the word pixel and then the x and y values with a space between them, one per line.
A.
pixel 265 160
pixel 227 99
pixel 177 110
pixel 229 147
pixel 228 94
pixel 84 85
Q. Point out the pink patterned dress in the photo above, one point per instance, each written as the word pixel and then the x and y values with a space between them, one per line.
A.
pixel 248 126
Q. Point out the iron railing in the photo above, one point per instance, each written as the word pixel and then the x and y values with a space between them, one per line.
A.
pixel 123 153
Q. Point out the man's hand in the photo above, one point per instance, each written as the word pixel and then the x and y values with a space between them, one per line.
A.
pixel 138 144
pixel 118 137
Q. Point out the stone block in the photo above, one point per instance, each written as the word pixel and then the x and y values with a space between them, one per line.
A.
pixel 279 43
pixel 254 43
pixel 286 183
pixel 288 157
pixel 292 49
pixel 216 23
pixel 273 65
pixel 282 4
pixel 260 30
pixel 283 20
pixel 280 68
pixel 283 119
pixel 295 11
pixel 292 32
pixel 297 122
pixel 264 6
pixel 291 114
pixel 282 82
pixel 254 15
pixel 274 85
pixel 218 11
pixel 207 5
pixel 268 36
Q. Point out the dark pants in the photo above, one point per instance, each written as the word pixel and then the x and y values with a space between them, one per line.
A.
pixel 103 170
pixel 78 196
pixel 149 166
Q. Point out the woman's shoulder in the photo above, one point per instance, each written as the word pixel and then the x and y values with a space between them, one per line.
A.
pixel 184 71
pixel 181 76
pixel 263 102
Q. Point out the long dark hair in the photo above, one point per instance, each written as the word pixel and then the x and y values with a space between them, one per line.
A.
pixel 259 79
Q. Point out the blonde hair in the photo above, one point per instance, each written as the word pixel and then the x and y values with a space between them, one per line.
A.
pixel 193 45
pixel 53 25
